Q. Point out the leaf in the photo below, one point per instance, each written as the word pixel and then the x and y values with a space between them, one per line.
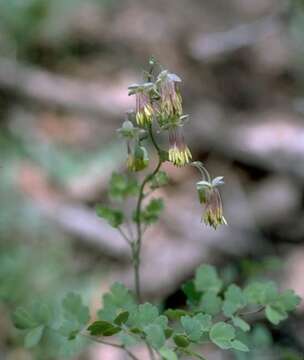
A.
pixel 152 211
pixel 238 345
pixel 262 293
pixel 119 299
pixel 24 319
pixel 33 337
pixel 211 303
pixel 145 315
pixel 192 353
pixel 73 309
pixel 121 318
pixel 261 337
pixel 160 179
pixel 168 332
pixel 103 328
pixel 240 323
pixel 155 335
pixel 190 291
pixel 288 300
pixel 205 321
pixel 112 216
pixel 274 315
pixel 221 334
pixel 234 300
pixel 192 328
pixel 181 340
pixel 76 315
pixel 168 354
pixel 127 340
pixel 206 279
pixel 175 314
pixel 122 186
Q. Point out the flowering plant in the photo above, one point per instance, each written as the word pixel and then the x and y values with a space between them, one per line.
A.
pixel 216 312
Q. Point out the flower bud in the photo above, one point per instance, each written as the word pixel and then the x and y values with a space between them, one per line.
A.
pixel 138 159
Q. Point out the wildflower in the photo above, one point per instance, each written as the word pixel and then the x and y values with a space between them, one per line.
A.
pixel 179 153
pixel 138 159
pixel 210 197
pixel 170 97
pixel 144 109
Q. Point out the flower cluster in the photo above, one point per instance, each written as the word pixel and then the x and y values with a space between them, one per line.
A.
pixel 161 100
pixel 158 102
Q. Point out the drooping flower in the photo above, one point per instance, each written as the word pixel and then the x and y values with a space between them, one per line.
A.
pixel 179 153
pixel 210 197
pixel 144 110
pixel 170 97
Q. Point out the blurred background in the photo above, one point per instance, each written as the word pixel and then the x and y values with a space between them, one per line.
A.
pixel 64 70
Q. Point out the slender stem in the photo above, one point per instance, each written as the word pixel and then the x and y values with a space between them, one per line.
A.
pixel 136 245
pixel 104 342
pixel 124 235
pixel 150 350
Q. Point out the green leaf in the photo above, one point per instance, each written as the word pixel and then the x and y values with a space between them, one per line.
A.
pixel 103 328
pixel 168 354
pixel 118 300
pixel 112 216
pixel 205 321
pixel 145 315
pixel 193 296
pixel 206 279
pixel 121 318
pixel 76 315
pixel 175 314
pixel 128 340
pixel 234 300
pixel 73 309
pixel 24 319
pixel 160 179
pixel 122 186
pixel 192 353
pixel 168 332
pixel 275 315
pixel 155 335
pixel 33 337
pixel 221 334
pixel 192 328
pixel 238 345
pixel 152 211
pixel 261 337
pixel 288 300
pixel 211 303
pixel 240 323
pixel 262 293
pixel 181 340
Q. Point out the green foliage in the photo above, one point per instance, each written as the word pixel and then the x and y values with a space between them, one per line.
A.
pixel 118 300
pixel 176 330
pixel 122 186
pixel 112 216
pixel 206 279
pixel 159 180
pixel 152 211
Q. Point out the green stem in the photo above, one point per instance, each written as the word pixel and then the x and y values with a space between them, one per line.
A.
pixel 136 245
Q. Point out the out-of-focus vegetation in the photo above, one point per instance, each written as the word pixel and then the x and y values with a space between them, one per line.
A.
pixel 244 89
